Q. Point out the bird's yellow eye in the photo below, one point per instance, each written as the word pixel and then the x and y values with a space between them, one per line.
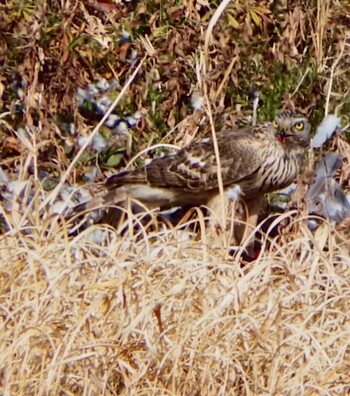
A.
pixel 275 124
pixel 299 126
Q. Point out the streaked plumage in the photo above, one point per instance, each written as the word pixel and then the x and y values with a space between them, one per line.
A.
pixel 258 159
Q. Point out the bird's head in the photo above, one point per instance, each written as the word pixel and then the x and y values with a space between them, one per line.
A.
pixel 292 128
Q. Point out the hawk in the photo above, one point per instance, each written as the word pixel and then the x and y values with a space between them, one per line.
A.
pixel 253 160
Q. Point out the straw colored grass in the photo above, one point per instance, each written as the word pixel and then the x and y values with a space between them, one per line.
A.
pixel 164 314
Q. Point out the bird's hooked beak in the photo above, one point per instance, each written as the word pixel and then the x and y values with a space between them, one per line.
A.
pixel 283 135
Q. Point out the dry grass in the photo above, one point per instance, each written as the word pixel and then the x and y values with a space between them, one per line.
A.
pixel 162 311
pixel 163 314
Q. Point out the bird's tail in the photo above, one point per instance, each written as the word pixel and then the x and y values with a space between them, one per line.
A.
pixel 101 201
pixel 114 202
pixel 136 176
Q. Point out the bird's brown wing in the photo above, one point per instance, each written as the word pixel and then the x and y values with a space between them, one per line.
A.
pixel 194 168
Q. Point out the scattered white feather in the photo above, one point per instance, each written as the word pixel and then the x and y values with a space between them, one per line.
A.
pixel 325 171
pixel 60 207
pixel 333 204
pixel 114 84
pixel 17 186
pixel 7 201
pixel 97 236
pixel 121 129
pixel 312 224
pixel 283 196
pixel 72 129
pixel 125 35
pixel 131 121
pixel 280 205
pixel 335 210
pixel 20 93
pixel 3 176
pixel 92 90
pixel 325 196
pixel 103 104
pixel 67 192
pixel 84 195
pixel 112 121
pixel 133 57
pixel 170 211
pixel 91 174
pixel 102 85
pixel 69 197
pixel 96 215
pixel 82 140
pixel 328 165
pixel 233 193
pixel 82 95
pixel 197 102
pixel 288 190
pixel 325 130
pixel 99 143
pixel 105 42
pixel 137 115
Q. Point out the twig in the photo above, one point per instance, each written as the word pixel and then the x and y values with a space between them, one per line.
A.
pixel 217 157
pixel 334 65
pixel 301 81
pixel 255 109
pixel 211 25
pixel 226 76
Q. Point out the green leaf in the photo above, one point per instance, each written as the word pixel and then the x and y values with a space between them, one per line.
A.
pixel 256 18
pixel 86 157
pixel 233 21
pixel 77 41
pixel 49 184
pixel 114 160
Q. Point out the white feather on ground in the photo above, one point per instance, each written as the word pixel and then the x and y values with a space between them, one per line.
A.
pixel 325 196
pixel 325 130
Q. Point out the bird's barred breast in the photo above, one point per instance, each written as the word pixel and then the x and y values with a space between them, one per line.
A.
pixel 279 172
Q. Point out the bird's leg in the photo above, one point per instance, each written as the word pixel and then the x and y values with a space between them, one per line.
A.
pixel 218 207
pixel 223 211
pixel 244 232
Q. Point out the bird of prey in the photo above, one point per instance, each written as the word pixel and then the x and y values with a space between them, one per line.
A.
pixel 253 160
